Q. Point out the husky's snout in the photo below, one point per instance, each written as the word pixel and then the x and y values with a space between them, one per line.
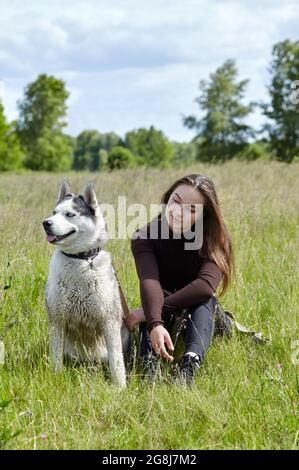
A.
pixel 47 224
pixel 47 228
pixel 52 237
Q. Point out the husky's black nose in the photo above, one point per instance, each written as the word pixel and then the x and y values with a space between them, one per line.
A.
pixel 47 223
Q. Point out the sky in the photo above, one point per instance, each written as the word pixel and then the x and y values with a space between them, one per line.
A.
pixel 131 64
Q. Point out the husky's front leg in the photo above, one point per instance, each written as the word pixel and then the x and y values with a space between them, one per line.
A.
pixel 115 355
pixel 56 343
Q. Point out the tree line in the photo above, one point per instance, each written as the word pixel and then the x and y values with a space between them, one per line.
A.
pixel 37 141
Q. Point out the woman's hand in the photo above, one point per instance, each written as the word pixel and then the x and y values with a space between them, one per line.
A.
pixel 159 336
pixel 134 317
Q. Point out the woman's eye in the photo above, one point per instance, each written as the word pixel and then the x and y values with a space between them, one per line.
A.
pixel 187 208
pixel 69 214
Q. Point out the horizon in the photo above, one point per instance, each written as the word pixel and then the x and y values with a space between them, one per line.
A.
pixel 120 74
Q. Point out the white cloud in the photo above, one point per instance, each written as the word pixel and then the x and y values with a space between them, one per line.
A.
pixel 130 64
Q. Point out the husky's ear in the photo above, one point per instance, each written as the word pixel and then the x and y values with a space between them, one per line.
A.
pixel 64 191
pixel 89 196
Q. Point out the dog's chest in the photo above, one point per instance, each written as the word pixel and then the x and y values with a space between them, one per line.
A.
pixel 83 292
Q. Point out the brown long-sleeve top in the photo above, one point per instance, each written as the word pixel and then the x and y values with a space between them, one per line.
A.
pixel 166 264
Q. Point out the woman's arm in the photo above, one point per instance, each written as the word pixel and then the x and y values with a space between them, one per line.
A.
pixel 152 297
pixel 197 291
pixel 151 293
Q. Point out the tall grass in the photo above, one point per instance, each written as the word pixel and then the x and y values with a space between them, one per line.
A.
pixel 245 394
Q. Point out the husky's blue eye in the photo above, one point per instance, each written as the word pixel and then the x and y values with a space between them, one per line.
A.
pixel 69 214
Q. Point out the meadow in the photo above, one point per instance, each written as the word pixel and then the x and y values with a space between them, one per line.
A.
pixel 245 395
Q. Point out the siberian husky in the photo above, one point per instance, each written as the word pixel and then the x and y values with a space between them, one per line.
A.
pixel 84 302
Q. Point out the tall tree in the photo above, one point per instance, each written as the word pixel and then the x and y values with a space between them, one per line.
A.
pixel 150 147
pixel 120 157
pixel 11 154
pixel 90 144
pixel 42 118
pixel 184 153
pixel 283 109
pixel 222 131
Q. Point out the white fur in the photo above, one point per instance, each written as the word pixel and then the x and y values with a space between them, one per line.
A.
pixel 83 299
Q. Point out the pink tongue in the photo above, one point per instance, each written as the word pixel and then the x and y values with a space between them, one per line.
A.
pixel 50 238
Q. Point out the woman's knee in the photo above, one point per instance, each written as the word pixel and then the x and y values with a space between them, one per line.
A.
pixel 205 307
pixel 202 317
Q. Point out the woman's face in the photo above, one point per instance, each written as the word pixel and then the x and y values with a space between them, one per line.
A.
pixel 184 207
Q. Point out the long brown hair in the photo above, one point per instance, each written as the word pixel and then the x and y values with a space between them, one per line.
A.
pixel 217 243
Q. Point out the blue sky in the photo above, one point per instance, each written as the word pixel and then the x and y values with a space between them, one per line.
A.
pixel 131 64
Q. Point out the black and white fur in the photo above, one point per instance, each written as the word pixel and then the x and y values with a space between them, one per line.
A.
pixel 83 302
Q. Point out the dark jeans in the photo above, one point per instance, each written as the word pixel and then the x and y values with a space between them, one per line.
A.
pixel 199 331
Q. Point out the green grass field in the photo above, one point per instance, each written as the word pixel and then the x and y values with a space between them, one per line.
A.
pixel 245 395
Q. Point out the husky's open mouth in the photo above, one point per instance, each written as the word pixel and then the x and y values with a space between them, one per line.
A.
pixel 56 238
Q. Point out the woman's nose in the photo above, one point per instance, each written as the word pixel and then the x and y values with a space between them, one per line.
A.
pixel 177 212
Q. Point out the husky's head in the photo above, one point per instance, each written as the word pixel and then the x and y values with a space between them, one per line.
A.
pixel 77 223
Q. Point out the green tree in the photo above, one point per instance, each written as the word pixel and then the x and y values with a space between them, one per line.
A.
pixel 86 153
pixel 11 154
pixel 104 159
pixel 184 153
pixel 42 118
pixel 254 151
pixel 52 152
pixel 90 147
pixel 222 132
pixel 283 109
pixel 110 140
pixel 120 157
pixel 150 147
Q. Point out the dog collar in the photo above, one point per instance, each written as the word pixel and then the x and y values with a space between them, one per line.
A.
pixel 87 255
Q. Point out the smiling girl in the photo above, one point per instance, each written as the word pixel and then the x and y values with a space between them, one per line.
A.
pixel 190 275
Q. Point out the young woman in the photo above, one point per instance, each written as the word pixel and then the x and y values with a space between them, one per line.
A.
pixel 191 276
